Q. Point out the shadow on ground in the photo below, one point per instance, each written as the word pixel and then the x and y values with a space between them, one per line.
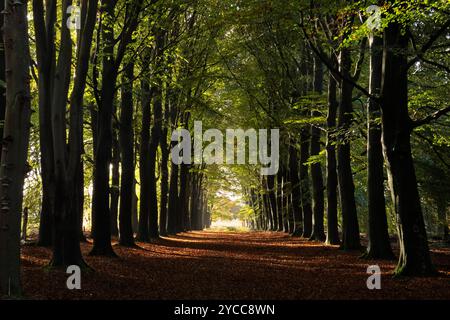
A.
pixel 230 265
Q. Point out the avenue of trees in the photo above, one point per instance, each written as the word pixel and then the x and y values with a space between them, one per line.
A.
pixel 90 98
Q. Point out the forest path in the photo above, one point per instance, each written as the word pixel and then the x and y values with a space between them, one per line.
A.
pixel 229 265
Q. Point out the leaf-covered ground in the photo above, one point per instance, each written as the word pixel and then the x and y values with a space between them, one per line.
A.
pixel 224 265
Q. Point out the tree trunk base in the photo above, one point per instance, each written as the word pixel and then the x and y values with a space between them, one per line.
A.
pixel 332 242
pixel 145 239
pixel 306 235
pixel 130 245
pixel 297 233
pixel 318 237
pixel 103 252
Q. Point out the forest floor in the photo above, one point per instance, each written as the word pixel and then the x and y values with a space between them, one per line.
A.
pixel 229 265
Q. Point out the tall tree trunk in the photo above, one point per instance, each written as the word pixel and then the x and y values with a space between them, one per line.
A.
pixel 184 197
pixel 332 179
pixel 184 172
pixel 266 204
pixel 201 207
pixel 279 193
pixel 101 214
pixel 289 214
pixel 285 201
pixel 134 208
pixel 192 204
pixel 173 211
pixel 64 232
pixel 94 132
pixel 262 209
pixel 144 168
pixel 153 210
pixel 45 50
pixel 252 204
pixel 196 202
pixel 296 189
pixel 316 168
pixel 94 129
pixel 173 214
pixel 23 235
pixel 165 152
pixel 126 137
pixel 16 135
pixel 68 165
pixel 80 199
pixel 115 184
pixel 76 130
pixel 2 74
pixel 304 184
pixel 379 244
pixel 112 59
pixel 272 201
pixel 350 225
pixel 156 137
pixel 414 251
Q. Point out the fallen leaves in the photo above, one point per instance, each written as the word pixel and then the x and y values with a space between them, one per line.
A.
pixel 221 265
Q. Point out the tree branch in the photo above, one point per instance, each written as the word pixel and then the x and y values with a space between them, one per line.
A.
pixel 432 117
pixel 429 43
pixel 330 67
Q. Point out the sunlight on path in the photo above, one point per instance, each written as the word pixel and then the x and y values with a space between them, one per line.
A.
pixel 229 225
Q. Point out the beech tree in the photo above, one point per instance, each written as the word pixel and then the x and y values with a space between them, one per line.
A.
pixel 16 135
pixel 111 62
pixel 379 243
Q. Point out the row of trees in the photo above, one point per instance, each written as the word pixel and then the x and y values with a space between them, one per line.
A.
pixel 136 67
pixel 111 84
pixel 368 68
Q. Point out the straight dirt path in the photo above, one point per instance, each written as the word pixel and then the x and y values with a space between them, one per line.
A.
pixel 226 265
